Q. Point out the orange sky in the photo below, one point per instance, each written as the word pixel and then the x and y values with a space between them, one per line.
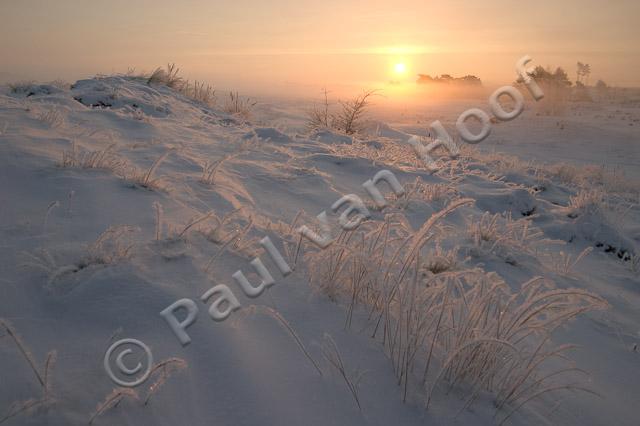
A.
pixel 267 46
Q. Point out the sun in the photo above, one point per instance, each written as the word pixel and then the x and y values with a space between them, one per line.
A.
pixel 400 68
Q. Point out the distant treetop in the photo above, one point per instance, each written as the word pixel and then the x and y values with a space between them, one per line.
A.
pixel 468 80
pixel 559 77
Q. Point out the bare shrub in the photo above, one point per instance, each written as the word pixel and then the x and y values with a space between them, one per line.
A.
pixel 320 117
pixel 349 119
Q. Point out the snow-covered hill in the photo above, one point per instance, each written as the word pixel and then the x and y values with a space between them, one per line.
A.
pixel 118 198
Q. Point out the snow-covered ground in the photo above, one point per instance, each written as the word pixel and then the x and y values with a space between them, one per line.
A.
pixel 77 162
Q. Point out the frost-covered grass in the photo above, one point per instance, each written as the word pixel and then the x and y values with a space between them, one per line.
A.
pixel 586 201
pixel 503 234
pixel 563 263
pixel 112 246
pixel 105 159
pixel 237 105
pixel 53 117
pixel 147 179
pixel 43 376
pixel 464 329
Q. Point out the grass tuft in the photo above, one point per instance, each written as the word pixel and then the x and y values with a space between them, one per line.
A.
pixel 236 105
pixel 455 329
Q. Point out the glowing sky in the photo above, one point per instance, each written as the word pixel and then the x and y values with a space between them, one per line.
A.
pixel 262 44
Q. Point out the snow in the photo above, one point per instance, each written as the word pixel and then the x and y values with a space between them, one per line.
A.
pixel 248 370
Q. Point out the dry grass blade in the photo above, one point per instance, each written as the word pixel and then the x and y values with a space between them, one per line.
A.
pixel 48 367
pixel 234 240
pixel 564 263
pixel 23 407
pixel 145 180
pixel 195 221
pixel 544 391
pixel 111 246
pixel 165 369
pixel 276 315
pixel 26 353
pixel 332 354
pixel 459 352
pixel 52 205
pixel 44 379
pixel 112 400
pixel 421 236
pixel 159 211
